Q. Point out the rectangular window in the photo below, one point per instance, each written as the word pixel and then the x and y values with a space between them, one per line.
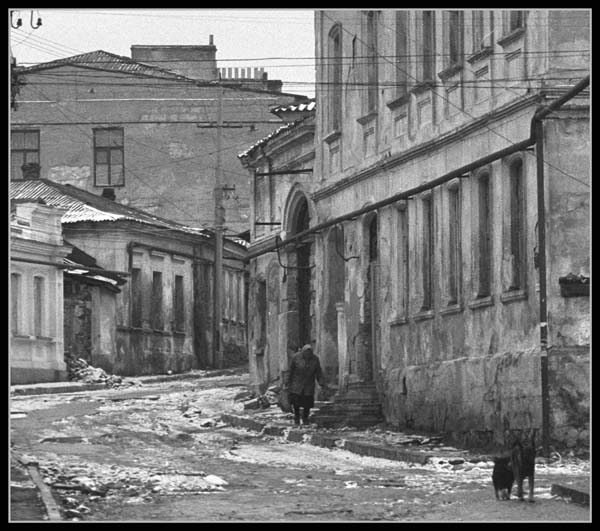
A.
pixel 242 298
pixel 485 236
pixel 403 262
pixel 515 20
pixel 24 149
pixel 15 303
pixel 38 306
pixel 454 244
pixel 428 46
pixel 178 304
pixel 371 62
pixel 478 35
pixel 136 298
pixel 517 244
pixel 427 252
pixel 454 37
pixel 108 157
pixel 402 63
pixel 156 303
pixel 335 78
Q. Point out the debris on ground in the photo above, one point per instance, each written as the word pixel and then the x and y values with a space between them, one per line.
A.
pixel 81 371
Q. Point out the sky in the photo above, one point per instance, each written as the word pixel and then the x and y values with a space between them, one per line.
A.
pixel 279 40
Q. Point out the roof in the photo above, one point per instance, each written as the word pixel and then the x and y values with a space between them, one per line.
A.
pixel 80 205
pixel 108 61
pixel 99 59
pixel 300 107
pixel 278 132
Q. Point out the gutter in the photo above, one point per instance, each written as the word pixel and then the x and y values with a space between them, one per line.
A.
pixel 536 137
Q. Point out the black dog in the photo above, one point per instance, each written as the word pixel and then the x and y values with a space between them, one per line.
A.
pixel 522 460
pixel 502 477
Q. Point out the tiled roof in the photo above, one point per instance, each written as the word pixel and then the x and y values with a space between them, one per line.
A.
pixel 80 205
pixel 300 107
pixel 108 61
pixel 278 132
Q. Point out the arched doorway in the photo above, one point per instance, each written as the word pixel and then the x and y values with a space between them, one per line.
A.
pixel 371 323
pixel 303 275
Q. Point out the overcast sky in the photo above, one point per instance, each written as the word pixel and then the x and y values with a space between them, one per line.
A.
pixel 280 40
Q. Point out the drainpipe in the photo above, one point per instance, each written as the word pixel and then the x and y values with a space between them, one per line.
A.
pixel 537 131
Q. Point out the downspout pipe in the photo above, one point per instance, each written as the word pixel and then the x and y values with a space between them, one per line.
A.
pixel 537 132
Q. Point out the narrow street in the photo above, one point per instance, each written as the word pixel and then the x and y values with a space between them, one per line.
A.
pixel 160 452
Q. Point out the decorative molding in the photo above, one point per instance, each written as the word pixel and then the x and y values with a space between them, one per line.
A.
pixel 511 37
pixel 452 309
pixel 332 137
pixel 424 315
pixel 481 54
pixel 513 295
pixel 482 302
pixel 398 102
pixel 450 71
pixel 423 148
pixel 363 120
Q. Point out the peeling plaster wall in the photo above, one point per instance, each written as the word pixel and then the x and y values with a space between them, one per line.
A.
pixel 472 370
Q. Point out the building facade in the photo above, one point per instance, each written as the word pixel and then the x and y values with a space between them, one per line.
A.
pixel 36 294
pixel 423 221
pixel 162 319
pixel 145 127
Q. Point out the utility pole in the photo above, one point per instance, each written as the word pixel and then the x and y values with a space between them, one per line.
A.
pixel 218 260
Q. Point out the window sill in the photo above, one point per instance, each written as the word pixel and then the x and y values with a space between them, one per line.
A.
pixel 513 295
pixel 179 333
pixel 422 86
pixel 363 120
pixel 452 309
pixel 398 102
pixel 481 54
pixel 424 315
pixel 109 185
pixel 43 338
pixel 22 336
pixel 397 321
pixel 482 302
pixel 511 37
pixel 450 71
pixel 332 137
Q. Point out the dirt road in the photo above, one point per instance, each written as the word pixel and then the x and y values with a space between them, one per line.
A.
pixel 159 453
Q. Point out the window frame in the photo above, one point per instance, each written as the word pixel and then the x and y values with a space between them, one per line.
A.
pixel 517 232
pixel 371 65
pixel 108 150
pixel 157 301
pixel 427 65
pixel 136 303
pixel 40 310
pixel 454 272
pixel 335 78
pixel 402 63
pixel 427 250
pixel 16 286
pixel 178 303
pixel 484 234
pixel 23 151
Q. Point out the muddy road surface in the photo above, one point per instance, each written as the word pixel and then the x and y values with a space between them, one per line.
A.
pixel 159 452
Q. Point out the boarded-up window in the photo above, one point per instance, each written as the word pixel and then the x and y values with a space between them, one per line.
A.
pixel 371 62
pixel 178 304
pixel 334 60
pixel 454 244
pixel 403 262
pixel 402 61
pixel 517 233
pixel 427 252
pixel 477 20
pixel 455 37
pixel 136 297
pixel 38 305
pixel 428 46
pixel 108 157
pixel 15 302
pixel 24 149
pixel 485 236
pixel 156 302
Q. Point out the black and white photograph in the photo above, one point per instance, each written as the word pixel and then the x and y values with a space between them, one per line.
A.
pixel 299 265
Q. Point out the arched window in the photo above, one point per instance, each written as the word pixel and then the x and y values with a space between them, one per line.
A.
pixel 334 60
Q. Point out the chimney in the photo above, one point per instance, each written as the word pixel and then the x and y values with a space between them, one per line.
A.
pixel 31 170
pixel 193 61
pixel 109 193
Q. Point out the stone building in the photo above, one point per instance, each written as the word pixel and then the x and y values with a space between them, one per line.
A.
pixel 145 127
pixel 37 250
pixel 162 319
pixel 437 158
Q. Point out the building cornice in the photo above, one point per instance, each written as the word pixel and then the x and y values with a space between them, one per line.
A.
pixel 428 146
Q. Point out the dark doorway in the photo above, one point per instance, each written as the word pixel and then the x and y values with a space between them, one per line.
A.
pixel 303 276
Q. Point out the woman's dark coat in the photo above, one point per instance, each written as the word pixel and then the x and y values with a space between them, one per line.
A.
pixel 304 369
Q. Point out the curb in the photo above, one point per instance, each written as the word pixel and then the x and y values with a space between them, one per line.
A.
pixel 50 389
pixel 328 441
pixel 52 509
pixel 572 495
